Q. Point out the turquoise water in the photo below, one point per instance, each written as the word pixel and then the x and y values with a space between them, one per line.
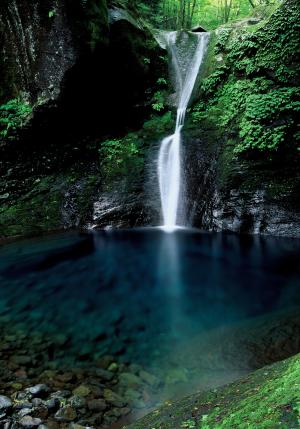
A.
pixel 146 296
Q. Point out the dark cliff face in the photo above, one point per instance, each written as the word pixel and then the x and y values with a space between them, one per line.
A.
pixel 225 193
pixel 89 73
pixel 74 56
pixel 37 48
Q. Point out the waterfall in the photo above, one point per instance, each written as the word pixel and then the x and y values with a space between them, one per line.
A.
pixel 185 65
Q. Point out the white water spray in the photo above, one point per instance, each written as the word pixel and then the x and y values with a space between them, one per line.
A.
pixel 169 168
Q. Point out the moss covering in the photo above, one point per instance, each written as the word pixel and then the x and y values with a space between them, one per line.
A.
pixel 53 202
pixel 96 21
pixel 36 211
pixel 250 101
pixel 124 158
pixel 267 399
pixel 254 90
pixel 13 115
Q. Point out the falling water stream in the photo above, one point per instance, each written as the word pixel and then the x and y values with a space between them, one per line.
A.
pixel 185 64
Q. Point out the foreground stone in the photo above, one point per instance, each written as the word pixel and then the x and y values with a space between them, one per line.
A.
pixel 29 422
pixel 38 390
pixel 66 414
pixel 5 403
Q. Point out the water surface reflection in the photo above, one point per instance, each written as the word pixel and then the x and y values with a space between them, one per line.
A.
pixel 183 305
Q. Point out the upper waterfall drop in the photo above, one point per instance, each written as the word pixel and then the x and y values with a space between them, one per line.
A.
pixel 185 67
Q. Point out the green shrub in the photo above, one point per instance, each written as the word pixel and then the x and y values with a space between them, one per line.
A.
pixel 254 97
pixel 13 115
pixel 120 157
pixel 158 125
pixel 124 157
pixel 269 119
pixel 158 101
pixel 222 38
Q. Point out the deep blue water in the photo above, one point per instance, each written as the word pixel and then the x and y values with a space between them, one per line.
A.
pixel 141 294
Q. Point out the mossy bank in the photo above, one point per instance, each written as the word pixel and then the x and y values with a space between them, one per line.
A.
pixel 268 398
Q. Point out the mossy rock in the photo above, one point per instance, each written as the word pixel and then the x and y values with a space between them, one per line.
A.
pixel 48 203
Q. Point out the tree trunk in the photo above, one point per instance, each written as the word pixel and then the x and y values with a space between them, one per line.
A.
pixel 183 18
pixel 227 10
pixel 192 12
pixel 188 15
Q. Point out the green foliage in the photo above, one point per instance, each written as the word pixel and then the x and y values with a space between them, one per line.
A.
pixel 273 49
pixel 34 212
pixel 188 424
pixel 265 9
pixel 121 157
pixel 124 157
pixel 264 406
pixel 162 81
pixel 254 94
pixel 95 21
pixel 223 36
pixel 158 101
pixel 13 115
pixel 268 398
pixel 37 208
pixel 177 14
pixel 164 58
pixel 51 13
pixel 211 84
pixel 158 125
pixel 242 51
pixel 268 119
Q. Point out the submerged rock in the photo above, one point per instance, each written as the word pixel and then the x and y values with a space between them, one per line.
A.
pixel 60 394
pixel 29 422
pixel 24 412
pixel 77 401
pixel 5 403
pixel 150 379
pixel 97 405
pixel 22 360
pixel 130 380
pixel 39 390
pixel 114 399
pixel 104 375
pixel 79 426
pixel 105 361
pixel 52 403
pixel 23 404
pixel 66 414
pixel 82 390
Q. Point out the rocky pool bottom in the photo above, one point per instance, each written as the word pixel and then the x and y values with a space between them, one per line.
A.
pixel 98 329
